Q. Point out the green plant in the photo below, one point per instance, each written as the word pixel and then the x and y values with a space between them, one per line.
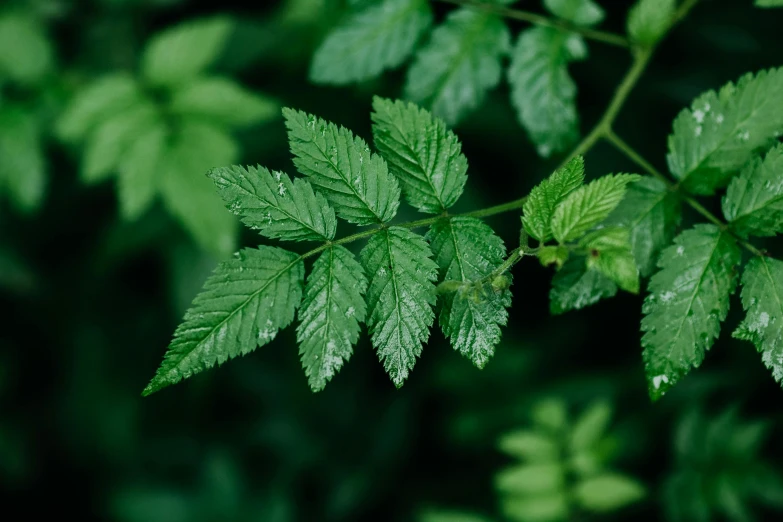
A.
pixel 158 128
pixel 718 469
pixel 563 473
pixel 27 62
pixel 600 236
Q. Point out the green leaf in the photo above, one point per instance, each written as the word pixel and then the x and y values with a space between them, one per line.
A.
pixel 550 414
pixel 610 254
pixel 97 102
pixel 139 171
pixel 222 100
pixel 530 446
pixel 467 250
pixel 190 195
pixel 540 508
pixel 22 163
pixel 531 479
pixel 540 205
pixel 542 91
pixel 588 205
pixel 243 305
pixel 754 201
pixel 651 212
pixel 330 315
pixel 575 286
pixel 649 20
pixel 461 62
pixel 762 299
pixel 689 298
pixel 769 3
pixel 399 298
pixel 26 54
pixel 379 37
pixel 578 12
pixel 608 492
pixel 181 53
pixel 591 426
pixel 274 205
pixel 424 155
pixel 721 132
pixel 110 140
pixel 355 181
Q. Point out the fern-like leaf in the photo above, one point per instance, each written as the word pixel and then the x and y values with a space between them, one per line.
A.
pixel 762 299
pixel 243 305
pixel 453 71
pixel 540 204
pixel 689 298
pixel 356 182
pixel 754 201
pixel 542 91
pixel 274 205
pixel 651 212
pixel 331 311
pixel 400 297
pixel 377 38
pixel 425 156
pixel 468 250
pixel 588 205
pixel 720 132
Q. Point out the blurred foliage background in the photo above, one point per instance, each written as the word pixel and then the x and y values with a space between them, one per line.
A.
pixel 91 299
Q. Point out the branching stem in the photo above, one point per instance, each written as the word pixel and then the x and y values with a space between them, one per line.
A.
pixel 544 21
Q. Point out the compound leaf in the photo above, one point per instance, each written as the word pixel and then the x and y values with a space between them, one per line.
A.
pixel 453 71
pixel 274 205
pixel 689 298
pixel 651 212
pixel 356 182
pixel 540 205
pixel 762 299
pixel 754 201
pixel 331 311
pixel 542 91
pixel 576 286
pixel 425 156
pixel 721 132
pixel 466 250
pixel 588 205
pixel 400 297
pixel 377 38
pixel 242 305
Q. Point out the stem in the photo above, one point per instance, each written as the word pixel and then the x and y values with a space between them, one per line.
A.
pixel 484 212
pixel 693 203
pixel 537 19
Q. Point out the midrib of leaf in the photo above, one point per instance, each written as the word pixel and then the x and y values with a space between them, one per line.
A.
pixel 756 207
pixel 722 143
pixel 328 299
pixel 396 298
pixel 772 281
pixel 244 304
pixel 288 214
pixel 464 44
pixel 457 255
pixel 345 180
pixel 696 291
pixel 416 162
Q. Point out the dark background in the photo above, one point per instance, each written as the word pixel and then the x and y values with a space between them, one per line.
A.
pixel 89 304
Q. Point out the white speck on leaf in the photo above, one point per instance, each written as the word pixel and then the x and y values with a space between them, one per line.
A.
pixel 281 189
pixel 680 250
pixel 719 118
pixel 658 380
pixel 667 296
pixel 697 132
pixel 351 310
pixel 698 116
